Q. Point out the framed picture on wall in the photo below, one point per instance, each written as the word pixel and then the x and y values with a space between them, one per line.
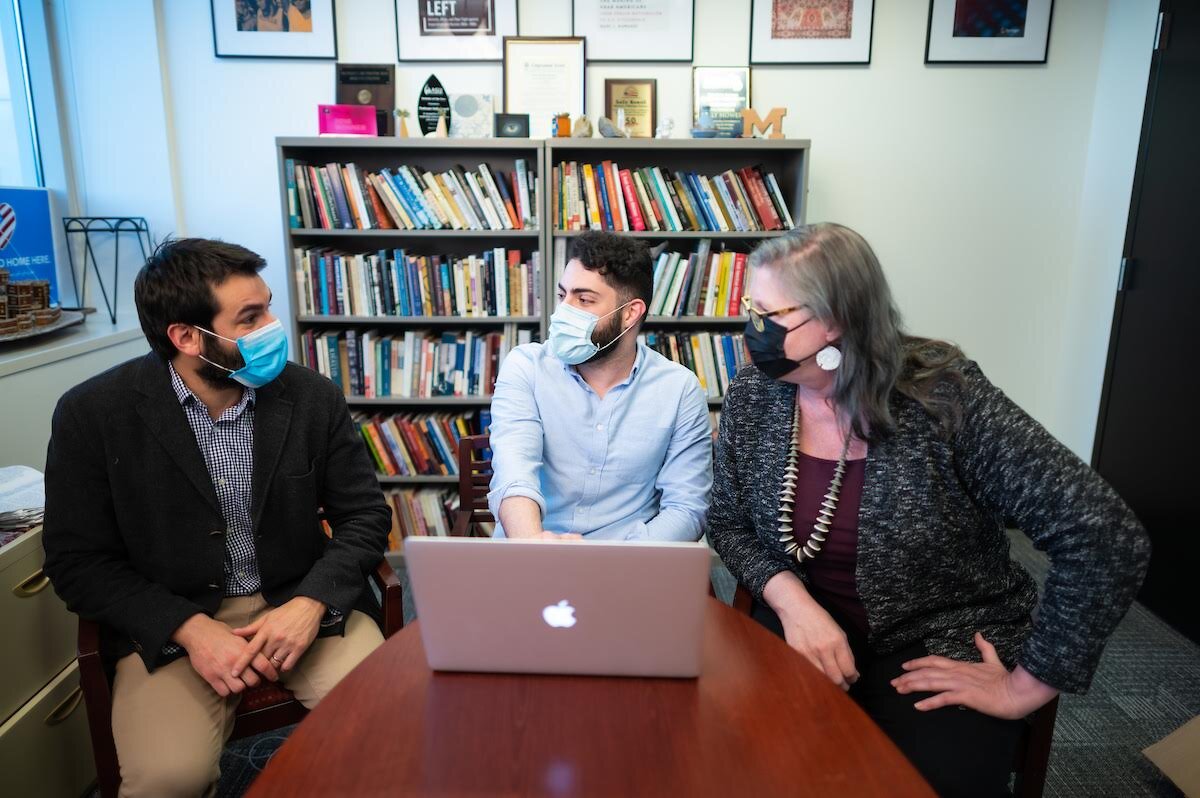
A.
pixel 637 97
pixel 453 30
pixel 811 31
pixel 544 77
pixel 646 30
pixel 274 29
pixel 988 31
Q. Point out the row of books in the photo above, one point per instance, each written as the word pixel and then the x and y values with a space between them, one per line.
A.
pixel 495 283
pixel 415 364
pixel 714 358
pixel 606 197
pixel 421 511
pixel 703 283
pixel 419 444
pixel 348 197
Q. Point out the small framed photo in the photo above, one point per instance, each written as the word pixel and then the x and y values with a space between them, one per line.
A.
pixel 811 31
pixel 646 30
pixel 453 30
pixel 274 29
pixel 544 77
pixel 512 126
pixel 718 96
pixel 988 31
pixel 638 98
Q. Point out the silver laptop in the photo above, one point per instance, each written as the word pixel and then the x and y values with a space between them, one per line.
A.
pixel 585 607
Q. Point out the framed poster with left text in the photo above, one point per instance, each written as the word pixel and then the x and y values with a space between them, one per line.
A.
pixel 453 30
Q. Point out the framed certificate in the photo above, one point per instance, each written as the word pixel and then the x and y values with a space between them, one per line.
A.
pixel 638 30
pixel 638 99
pixel 724 91
pixel 543 77
pixel 453 30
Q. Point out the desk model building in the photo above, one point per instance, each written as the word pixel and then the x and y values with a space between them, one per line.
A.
pixel 25 304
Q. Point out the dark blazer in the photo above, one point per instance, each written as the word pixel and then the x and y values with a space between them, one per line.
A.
pixel 933 555
pixel 133 532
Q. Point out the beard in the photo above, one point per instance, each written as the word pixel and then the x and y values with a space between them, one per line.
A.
pixel 604 337
pixel 227 357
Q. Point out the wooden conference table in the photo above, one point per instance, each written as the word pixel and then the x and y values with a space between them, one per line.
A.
pixel 759 721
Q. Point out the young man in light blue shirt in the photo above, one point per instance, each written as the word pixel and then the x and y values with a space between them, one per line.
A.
pixel 593 434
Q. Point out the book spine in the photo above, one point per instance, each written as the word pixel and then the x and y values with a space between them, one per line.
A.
pixel 352 200
pixel 387 191
pixel 778 197
pixel 595 221
pixel 334 175
pixel 647 207
pixel 493 193
pixel 636 222
pixel 428 216
pixel 736 286
pixel 293 198
pixel 676 203
pixel 528 212
pixel 664 203
pixel 614 197
pixel 606 216
pixel 506 198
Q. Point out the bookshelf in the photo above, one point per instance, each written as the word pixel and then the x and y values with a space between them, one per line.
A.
pixel 787 159
pixel 437 156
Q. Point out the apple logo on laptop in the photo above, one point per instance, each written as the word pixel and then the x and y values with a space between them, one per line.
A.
pixel 560 615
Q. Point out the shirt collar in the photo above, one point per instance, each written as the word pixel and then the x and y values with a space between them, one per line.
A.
pixel 186 397
pixel 638 359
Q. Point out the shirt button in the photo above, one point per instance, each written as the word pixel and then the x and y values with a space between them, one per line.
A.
pixel 600 427
pixel 213 585
pixel 592 471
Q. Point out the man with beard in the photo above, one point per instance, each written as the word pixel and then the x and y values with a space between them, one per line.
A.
pixel 182 499
pixel 593 434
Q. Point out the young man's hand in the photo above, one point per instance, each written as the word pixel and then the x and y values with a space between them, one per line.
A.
pixel 214 650
pixel 281 635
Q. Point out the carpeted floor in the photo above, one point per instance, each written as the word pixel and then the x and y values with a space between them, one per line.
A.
pixel 1148 685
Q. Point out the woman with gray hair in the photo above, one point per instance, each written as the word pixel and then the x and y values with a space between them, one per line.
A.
pixel 863 483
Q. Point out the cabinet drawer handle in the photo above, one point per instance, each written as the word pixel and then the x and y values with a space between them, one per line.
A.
pixel 65 707
pixel 31 586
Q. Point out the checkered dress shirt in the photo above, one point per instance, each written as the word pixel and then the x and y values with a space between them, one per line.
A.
pixel 228 448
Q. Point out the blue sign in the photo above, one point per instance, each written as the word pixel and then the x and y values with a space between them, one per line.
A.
pixel 26 237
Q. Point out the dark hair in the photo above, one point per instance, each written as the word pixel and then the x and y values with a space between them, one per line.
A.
pixel 623 262
pixel 175 286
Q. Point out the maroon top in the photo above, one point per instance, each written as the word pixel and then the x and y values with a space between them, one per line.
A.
pixel 831 574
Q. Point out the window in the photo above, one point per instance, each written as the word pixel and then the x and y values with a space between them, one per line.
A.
pixel 20 161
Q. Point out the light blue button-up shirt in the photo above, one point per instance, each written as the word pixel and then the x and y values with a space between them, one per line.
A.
pixel 635 465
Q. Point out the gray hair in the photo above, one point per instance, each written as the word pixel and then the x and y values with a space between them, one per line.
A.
pixel 835 273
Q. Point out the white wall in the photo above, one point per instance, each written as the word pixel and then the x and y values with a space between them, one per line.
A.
pixel 991 193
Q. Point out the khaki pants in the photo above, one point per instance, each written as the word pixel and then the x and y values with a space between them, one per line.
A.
pixel 170 726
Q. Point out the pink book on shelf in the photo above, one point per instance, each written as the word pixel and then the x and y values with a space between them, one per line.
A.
pixel 346 120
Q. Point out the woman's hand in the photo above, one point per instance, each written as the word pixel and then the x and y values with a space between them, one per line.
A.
pixel 809 629
pixel 985 687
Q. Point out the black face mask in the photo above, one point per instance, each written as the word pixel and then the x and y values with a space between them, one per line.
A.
pixel 766 348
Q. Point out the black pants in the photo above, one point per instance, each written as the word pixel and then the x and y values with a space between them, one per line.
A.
pixel 960 752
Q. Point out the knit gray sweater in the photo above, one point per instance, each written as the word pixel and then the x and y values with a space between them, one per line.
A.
pixel 933 556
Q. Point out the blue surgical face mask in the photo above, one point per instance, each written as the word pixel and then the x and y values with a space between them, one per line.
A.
pixel 264 353
pixel 571 331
